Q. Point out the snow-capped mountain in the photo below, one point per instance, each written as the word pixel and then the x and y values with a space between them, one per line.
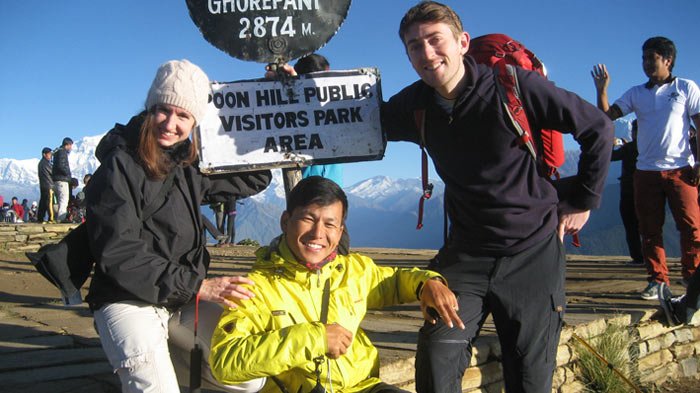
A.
pixel 383 211
pixel 19 177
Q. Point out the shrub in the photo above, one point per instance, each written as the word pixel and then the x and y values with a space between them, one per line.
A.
pixel 248 242
pixel 615 345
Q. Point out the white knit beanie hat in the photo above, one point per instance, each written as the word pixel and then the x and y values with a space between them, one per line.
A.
pixel 183 84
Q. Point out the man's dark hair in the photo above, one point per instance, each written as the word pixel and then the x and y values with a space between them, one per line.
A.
pixel 430 12
pixel 316 190
pixel 66 141
pixel 664 47
pixel 311 63
pixel 45 150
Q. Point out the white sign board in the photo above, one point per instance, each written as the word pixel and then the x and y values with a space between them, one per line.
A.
pixel 318 118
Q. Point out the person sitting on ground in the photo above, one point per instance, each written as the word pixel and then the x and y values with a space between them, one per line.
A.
pixel 8 215
pixel 302 327
pixel 25 208
pixel 18 209
pixel 33 212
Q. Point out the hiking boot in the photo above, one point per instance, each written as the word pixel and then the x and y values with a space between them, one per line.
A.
pixel 651 292
pixel 692 316
pixel 674 307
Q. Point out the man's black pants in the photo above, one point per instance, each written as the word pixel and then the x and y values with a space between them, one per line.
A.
pixel 525 294
pixel 630 222
pixel 44 200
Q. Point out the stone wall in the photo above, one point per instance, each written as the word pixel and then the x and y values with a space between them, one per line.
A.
pixel 664 354
pixel 29 237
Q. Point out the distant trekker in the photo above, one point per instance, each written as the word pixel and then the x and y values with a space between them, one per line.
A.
pixel 61 176
pixel 45 184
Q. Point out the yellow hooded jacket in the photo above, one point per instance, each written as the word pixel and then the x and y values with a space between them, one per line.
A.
pixel 278 333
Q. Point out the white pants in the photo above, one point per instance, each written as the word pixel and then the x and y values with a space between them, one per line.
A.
pixel 135 337
pixel 62 193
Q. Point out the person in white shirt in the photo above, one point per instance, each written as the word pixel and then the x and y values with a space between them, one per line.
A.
pixel 665 106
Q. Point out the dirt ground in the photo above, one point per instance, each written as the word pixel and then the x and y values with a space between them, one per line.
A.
pixel 595 285
pixel 686 385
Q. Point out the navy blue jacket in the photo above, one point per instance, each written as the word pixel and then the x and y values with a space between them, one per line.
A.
pixel 497 201
pixel 61 167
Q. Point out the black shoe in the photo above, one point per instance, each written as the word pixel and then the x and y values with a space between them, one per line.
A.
pixel 674 308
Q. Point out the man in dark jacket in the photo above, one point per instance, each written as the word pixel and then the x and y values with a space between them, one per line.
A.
pixel 61 177
pixel 504 255
pixel 45 184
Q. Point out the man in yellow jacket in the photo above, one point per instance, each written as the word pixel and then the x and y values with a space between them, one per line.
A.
pixel 302 327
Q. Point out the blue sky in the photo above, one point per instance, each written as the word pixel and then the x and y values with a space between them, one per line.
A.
pixel 75 67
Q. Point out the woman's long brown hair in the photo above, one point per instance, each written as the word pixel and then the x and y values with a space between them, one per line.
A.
pixel 154 159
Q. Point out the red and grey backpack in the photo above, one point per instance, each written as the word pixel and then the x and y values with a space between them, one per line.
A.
pixel 503 53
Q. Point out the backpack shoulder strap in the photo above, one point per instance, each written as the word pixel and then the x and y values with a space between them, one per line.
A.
pixel 419 117
pixel 509 92
pixel 149 210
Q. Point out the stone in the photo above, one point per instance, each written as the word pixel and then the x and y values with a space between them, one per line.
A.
pixel 562 376
pixel 683 351
pixel 683 335
pixel 565 335
pixel 591 329
pixel 642 349
pixel 572 387
pixel 564 355
pixel 661 375
pixel 475 377
pixel 653 345
pixel 668 339
pixel 654 360
pixel 689 367
pixel 651 330
pixel 59 228
pixel 26 247
pixel 30 228
pixel 696 333
pixel 42 236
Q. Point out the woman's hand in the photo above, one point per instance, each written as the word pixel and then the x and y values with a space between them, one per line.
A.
pixel 221 289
